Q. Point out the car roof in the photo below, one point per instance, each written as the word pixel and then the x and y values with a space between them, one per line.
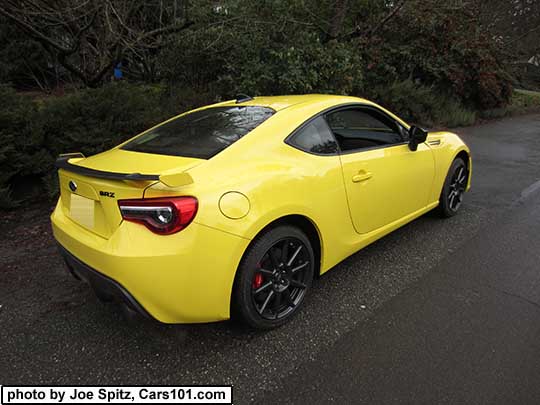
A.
pixel 278 103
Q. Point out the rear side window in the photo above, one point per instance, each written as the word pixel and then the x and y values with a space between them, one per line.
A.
pixel 315 137
pixel 201 134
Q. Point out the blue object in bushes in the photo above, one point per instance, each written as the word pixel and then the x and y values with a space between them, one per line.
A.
pixel 118 71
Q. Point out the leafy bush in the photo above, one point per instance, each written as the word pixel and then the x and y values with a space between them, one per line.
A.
pixel 455 115
pixel 522 102
pixel 262 63
pixel 440 48
pixel 423 105
pixel 90 121
pixel 94 120
pixel 23 62
pixel 306 65
pixel 21 141
pixel 526 99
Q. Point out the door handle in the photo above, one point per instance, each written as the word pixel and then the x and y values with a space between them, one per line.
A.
pixel 362 176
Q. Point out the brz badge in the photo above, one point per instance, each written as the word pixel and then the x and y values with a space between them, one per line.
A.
pixel 106 194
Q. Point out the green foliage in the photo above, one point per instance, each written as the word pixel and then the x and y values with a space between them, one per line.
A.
pixel 522 102
pixel 221 62
pixel 430 62
pixel 526 99
pixel 284 47
pixel 93 120
pixel 305 66
pixel 412 102
pixel 33 133
pixel 440 47
pixel 21 140
pixel 453 114
pixel 23 62
pixel 423 105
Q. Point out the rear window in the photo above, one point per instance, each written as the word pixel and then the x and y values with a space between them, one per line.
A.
pixel 201 134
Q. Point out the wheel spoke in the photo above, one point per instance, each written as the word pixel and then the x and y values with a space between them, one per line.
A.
pixel 298 284
pixel 277 304
pixel 451 200
pixel 288 298
pixel 266 301
pixel 262 288
pixel 265 271
pixel 458 174
pixel 291 260
pixel 462 178
pixel 299 267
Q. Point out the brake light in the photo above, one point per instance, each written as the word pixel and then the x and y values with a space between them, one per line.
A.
pixel 163 216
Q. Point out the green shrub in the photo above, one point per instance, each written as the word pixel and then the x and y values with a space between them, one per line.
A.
pixel 455 115
pixel 262 63
pixel 21 142
pixel 422 105
pixel 439 47
pixel 523 99
pixel 89 121
pixel 522 102
pixel 94 120
pixel 305 66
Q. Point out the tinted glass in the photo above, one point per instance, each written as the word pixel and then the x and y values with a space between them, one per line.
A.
pixel 363 128
pixel 201 134
pixel 315 137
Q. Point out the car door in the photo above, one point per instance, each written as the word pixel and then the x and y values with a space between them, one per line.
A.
pixel 384 179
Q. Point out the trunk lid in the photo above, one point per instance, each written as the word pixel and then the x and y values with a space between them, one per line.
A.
pixel 92 201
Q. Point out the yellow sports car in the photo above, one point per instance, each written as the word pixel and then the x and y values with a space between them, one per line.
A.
pixel 232 209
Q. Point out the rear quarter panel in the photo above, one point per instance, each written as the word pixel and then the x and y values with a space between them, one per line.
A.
pixel 278 180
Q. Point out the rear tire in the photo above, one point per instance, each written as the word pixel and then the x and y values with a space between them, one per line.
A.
pixel 273 278
pixel 454 188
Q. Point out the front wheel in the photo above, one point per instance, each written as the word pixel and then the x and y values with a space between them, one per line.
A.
pixel 273 278
pixel 453 189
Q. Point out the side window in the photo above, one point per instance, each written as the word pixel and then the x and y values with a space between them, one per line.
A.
pixel 358 128
pixel 315 137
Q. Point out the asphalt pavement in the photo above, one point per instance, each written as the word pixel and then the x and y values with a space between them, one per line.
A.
pixel 440 311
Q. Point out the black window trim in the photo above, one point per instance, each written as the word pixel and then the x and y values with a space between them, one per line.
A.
pixel 288 140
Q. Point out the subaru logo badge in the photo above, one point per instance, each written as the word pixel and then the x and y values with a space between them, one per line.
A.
pixel 72 185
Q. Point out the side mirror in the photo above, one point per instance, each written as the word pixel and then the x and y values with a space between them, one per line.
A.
pixel 417 136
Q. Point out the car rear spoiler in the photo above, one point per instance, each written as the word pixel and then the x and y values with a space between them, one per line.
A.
pixel 170 178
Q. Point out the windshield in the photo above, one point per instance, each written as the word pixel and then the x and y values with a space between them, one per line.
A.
pixel 201 134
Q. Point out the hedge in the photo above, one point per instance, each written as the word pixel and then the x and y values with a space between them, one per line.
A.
pixel 34 132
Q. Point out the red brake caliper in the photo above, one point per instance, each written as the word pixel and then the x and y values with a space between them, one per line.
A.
pixel 258 279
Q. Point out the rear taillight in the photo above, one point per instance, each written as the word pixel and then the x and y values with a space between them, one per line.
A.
pixel 163 216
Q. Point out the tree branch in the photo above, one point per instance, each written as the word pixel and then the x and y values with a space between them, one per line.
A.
pixel 370 32
pixel 34 33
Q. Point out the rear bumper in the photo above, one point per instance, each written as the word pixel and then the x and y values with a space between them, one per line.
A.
pixel 104 286
pixel 186 277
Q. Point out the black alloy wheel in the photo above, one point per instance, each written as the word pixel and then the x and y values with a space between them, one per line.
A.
pixel 454 188
pixel 274 277
pixel 457 188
